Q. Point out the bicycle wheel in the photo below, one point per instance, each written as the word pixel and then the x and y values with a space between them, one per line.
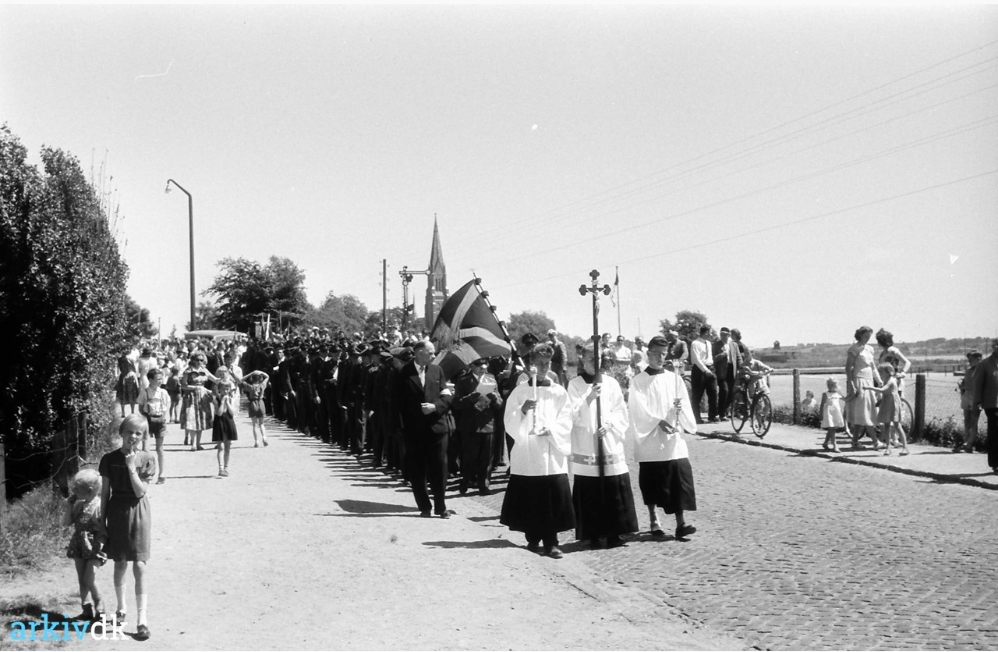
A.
pixel 907 416
pixel 762 415
pixel 739 411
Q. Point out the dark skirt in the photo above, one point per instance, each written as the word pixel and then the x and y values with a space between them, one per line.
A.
pixel 128 390
pixel 223 427
pixel 129 522
pixel 668 485
pixel 604 507
pixel 538 504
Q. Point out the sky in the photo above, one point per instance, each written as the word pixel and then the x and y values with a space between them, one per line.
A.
pixel 792 171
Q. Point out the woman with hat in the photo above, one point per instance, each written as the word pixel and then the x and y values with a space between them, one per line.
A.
pixel 196 413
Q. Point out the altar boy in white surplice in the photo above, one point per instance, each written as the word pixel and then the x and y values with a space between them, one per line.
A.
pixel 660 412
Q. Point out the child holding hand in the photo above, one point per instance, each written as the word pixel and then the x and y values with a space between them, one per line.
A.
pixel 832 411
pixel 889 413
pixel 86 545
pixel 125 509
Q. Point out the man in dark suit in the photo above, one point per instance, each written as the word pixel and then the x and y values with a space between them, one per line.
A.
pixel 727 360
pixel 423 402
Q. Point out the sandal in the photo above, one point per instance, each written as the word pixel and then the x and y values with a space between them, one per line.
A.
pixel 887 452
pixel 904 451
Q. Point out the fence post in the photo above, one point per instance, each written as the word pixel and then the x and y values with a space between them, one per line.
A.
pixel 796 396
pixel 919 417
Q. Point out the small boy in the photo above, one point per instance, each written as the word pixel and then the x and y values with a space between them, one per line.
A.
pixel 173 390
pixel 751 373
pixel 153 405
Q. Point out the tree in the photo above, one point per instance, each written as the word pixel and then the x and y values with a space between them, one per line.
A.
pixel 137 320
pixel 346 313
pixel 206 315
pixel 687 324
pixel 62 305
pixel 527 321
pixel 287 289
pixel 243 289
pixel 776 345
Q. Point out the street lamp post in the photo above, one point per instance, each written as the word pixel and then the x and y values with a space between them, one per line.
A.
pixel 190 215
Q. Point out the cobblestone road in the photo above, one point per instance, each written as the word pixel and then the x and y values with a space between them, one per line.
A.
pixel 796 552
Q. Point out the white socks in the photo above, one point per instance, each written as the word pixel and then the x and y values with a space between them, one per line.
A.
pixel 141 602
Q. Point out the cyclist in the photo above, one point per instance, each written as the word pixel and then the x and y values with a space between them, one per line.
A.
pixel 751 375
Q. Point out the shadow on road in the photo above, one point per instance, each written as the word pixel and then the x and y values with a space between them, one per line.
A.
pixel 473 545
pixel 368 507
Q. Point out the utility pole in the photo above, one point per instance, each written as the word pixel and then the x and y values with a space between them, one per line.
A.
pixel 407 275
pixel 406 280
pixel 384 297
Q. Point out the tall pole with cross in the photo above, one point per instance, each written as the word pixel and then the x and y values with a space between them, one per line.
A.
pixel 595 290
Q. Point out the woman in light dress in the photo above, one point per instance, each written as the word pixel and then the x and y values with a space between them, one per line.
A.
pixel 861 405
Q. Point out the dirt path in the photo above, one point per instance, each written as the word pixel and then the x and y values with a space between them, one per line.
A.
pixel 304 548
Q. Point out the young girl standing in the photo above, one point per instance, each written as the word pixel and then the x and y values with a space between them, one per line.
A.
pixel 86 546
pixel 223 427
pixel 254 384
pixel 125 510
pixel 832 411
pixel 889 414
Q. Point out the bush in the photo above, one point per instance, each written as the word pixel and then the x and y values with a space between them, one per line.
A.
pixel 62 307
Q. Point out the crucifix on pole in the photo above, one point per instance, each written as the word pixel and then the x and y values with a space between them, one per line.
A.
pixel 595 290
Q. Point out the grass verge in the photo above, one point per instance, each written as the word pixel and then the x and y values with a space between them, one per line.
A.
pixel 937 432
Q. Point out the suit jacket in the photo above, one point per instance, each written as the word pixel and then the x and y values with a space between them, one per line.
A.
pixel 986 383
pixel 410 395
pixel 724 356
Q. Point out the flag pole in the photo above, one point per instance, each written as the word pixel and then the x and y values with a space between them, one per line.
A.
pixel 616 281
pixel 505 333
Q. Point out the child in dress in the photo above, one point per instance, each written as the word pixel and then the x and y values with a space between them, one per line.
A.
pixel 86 545
pixel 125 509
pixel 254 384
pixel 223 427
pixel 832 411
pixel 808 403
pixel 889 413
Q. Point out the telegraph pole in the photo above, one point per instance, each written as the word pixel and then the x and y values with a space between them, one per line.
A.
pixel 384 297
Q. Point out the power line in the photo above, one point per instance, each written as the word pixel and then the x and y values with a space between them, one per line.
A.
pixel 807 177
pixel 512 225
pixel 765 229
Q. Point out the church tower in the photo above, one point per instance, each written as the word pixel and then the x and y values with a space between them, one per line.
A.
pixel 436 280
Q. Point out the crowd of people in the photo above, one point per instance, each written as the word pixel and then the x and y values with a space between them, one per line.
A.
pixel 385 401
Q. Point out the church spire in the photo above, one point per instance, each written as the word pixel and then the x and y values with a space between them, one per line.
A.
pixel 436 278
pixel 436 252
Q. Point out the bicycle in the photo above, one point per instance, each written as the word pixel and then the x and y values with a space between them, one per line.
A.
pixel 759 414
